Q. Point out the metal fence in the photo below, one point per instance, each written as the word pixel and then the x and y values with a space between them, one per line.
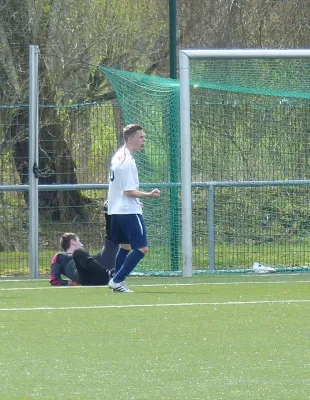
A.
pixel 72 186
pixel 83 159
pixel 234 225
pixel 243 210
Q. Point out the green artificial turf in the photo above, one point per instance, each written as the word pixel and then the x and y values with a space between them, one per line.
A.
pixel 208 337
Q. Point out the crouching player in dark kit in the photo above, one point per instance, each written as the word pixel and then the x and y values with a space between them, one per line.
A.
pixel 80 267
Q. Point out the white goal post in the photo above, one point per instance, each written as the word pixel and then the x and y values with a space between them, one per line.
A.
pixel 186 183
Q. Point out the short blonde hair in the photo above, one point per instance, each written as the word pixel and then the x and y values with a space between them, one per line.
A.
pixel 130 130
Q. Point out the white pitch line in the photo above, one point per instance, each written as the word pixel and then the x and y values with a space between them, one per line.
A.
pixel 5 278
pixel 224 303
pixel 158 285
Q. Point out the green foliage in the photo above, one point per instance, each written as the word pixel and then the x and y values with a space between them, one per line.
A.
pixel 13 223
pixel 257 215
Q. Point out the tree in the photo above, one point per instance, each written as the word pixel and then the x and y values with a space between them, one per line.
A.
pixel 244 24
pixel 76 36
pixel 73 37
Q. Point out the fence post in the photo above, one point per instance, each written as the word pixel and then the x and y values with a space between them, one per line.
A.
pixel 210 217
pixel 186 170
pixel 33 161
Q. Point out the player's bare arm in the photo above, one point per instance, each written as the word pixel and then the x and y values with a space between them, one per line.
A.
pixel 141 194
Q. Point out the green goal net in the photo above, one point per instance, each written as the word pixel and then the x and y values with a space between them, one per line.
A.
pixel 249 122
pixel 154 103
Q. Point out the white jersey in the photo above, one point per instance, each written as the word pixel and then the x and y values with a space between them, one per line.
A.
pixel 123 176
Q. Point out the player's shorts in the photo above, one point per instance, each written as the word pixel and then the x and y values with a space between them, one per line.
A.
pixel 128 229
pixel 91 273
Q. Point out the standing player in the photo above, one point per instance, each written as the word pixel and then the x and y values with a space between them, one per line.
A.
pixel 127 223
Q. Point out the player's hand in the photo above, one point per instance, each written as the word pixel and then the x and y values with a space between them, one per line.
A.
pixel 155 193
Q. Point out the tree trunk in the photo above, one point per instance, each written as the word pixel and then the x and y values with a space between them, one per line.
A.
pixel 119 122
pixel 56 166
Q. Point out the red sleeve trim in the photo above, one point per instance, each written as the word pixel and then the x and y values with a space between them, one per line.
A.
pixel 54 281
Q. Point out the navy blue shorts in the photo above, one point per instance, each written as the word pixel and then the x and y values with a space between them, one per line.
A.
pixel 128 229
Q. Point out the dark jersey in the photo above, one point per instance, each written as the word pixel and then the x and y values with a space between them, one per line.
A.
pixel 63 265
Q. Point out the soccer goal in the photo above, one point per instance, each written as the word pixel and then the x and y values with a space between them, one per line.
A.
pixel 215 79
